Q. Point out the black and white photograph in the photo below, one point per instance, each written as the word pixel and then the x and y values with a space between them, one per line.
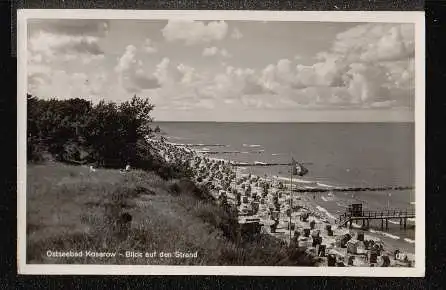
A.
pixel 263 143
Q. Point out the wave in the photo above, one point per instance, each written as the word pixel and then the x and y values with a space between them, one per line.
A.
pixel 295 180
pixel 323 184
pixel 259 163
pixel 275 154
pixel 409 240
pixel 324 198
pixel 324 210
pixel 251 145
pixel 357 226
pixel 391 236
pixel 385 234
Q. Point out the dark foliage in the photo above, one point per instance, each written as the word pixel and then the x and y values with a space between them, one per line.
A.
pixel 106 134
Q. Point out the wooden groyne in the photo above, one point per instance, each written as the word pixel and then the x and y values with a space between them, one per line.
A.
pixel 223 152
pixel 204 145
pixel 346 189
pixel 266 164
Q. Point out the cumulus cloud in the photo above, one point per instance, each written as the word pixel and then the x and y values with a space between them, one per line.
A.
pixel 210 51
pixel 194 32
pixel 368 66
pixel 67 85
pixel 51 46
pixel 132 75
pixel 149 46
pixel 236 34
pixel 376 42
pixel 213 51
pixel 59 41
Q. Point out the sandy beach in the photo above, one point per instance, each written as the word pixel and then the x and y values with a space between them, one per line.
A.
pixel 266 200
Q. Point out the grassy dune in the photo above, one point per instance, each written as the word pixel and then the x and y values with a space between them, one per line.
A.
pixel 71 208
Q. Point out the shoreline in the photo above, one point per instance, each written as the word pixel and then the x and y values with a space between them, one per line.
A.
pixel 321 216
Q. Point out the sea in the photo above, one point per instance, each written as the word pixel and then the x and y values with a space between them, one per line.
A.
pixel 336 154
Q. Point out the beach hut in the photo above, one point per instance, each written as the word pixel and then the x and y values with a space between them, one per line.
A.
pixel 341 241
pixel 250 227
pixel 360 236
pixel 385 261
pixel 312 224
pixel 352 246
pixel 331 260
pixel 304 217
pixel 321 250
pixel 317 241
pixel 304 242
pixel 255 206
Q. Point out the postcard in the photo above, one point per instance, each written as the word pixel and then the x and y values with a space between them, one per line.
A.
pixel 252 143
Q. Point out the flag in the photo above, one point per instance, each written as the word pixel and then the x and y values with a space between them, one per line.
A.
pixel 297 168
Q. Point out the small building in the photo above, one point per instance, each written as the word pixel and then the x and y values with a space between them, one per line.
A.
pixel 355 209
pixel 341 241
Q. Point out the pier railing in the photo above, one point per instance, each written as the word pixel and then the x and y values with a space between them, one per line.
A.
pixel 375 214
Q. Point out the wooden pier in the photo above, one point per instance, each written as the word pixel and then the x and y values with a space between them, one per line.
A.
pixel 384 215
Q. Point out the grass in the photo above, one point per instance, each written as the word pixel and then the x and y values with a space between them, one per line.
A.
pixel 71 208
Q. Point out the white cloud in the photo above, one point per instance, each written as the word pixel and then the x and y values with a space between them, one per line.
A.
pixel 162 70
pixel 236 34
pixel 66 85
pixel 188 73
pixel 213 51
pixel 149 46
pixel 127 59
pixel 56 44
pixel 132 75
pixel 376 42
pixel 225 53
pixel 52 47
pixel 210 51
pixel 366 82
pixel 194 32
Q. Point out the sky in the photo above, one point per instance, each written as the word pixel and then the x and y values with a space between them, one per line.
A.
pixel 230 70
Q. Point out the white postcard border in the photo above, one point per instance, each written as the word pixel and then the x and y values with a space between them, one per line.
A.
pixel 415 17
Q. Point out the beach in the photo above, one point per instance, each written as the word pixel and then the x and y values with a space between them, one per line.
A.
pixel 269 201
pixel 363 155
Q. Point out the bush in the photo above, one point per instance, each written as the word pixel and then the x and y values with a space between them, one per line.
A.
pixel 109 134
